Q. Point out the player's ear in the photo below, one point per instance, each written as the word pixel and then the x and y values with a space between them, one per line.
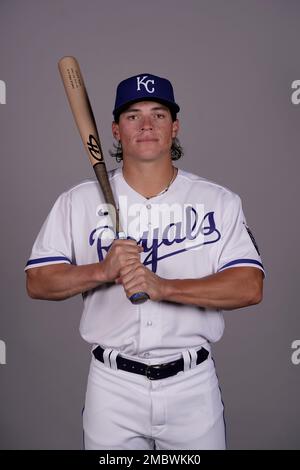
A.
pixel 115 130
pixel 175 128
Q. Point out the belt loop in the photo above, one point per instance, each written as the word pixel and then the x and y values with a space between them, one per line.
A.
pixel 113 359
pixel 186 360
pixel 193 358
pixel 106 355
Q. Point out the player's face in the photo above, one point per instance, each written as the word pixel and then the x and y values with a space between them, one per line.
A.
pixel 146 131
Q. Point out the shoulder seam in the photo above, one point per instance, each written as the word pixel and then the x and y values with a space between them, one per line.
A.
pixel 90 181
pixel 80 184
pixel 212 183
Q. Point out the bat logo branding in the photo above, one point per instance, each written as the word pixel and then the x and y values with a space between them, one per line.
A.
pixel 94 148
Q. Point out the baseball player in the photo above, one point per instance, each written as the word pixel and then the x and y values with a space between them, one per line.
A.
pixel 152 382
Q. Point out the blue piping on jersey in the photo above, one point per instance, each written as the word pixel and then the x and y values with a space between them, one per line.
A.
pixel 239 261
pixel 45 260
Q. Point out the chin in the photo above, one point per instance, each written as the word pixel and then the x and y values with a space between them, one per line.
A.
pixel 149 154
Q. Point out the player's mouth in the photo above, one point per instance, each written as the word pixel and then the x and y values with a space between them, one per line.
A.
pixel 147 139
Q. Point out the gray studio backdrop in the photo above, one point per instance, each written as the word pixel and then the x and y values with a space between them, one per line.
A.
pixel 232 64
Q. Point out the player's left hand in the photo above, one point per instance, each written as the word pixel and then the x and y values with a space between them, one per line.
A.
pixel 138 278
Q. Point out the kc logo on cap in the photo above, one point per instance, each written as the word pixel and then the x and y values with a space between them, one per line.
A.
pixel 140 81
pixel 144 87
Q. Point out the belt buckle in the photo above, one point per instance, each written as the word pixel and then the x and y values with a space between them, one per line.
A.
pixel 149 369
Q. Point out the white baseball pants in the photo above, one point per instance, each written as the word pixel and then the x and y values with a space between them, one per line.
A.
pixel 124 410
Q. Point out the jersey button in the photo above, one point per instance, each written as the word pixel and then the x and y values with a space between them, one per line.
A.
pixel 149 323
pixel 148 206
pixel 146 354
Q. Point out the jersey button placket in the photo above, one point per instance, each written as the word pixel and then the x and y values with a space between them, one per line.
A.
pixel 148 206
pixel 147 325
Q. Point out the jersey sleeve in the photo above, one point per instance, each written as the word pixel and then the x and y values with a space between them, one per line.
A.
pixel 238 245
pixel 54 244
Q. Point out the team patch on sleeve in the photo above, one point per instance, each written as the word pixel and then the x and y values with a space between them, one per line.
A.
pixel 252 238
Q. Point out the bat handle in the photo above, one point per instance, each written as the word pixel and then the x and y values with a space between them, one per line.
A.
pixel 138 297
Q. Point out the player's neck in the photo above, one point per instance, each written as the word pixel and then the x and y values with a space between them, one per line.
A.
pixel 150 179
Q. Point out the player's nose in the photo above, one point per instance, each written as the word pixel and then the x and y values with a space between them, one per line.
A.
pixel 146 123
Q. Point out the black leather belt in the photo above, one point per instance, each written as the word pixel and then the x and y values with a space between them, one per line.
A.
pixel 155 371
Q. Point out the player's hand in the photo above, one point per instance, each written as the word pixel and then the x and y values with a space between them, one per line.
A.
pixel 121 253
pixel 138 278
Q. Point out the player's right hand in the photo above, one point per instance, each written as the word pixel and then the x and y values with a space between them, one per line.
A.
pixel 120 254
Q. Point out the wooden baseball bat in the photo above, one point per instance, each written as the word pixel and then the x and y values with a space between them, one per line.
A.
pixel 86 124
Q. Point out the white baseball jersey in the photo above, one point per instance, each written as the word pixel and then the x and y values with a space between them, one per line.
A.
pixel 207 233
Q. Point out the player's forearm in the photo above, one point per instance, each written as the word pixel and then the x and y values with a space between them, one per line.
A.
pixel 59 282
pixel 227 290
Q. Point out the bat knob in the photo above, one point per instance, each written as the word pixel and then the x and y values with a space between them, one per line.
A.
pixel 139 298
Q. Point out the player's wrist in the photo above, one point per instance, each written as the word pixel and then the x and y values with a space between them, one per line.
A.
pixel 100 274
pixel 170 289
pixel 166 289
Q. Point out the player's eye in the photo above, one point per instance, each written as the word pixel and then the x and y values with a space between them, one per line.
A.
pixel 160 115
pixel 132 117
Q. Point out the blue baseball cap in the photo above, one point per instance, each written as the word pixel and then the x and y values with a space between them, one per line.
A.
pixel 144 87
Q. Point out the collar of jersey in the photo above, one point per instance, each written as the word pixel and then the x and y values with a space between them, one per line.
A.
pixel 119 172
